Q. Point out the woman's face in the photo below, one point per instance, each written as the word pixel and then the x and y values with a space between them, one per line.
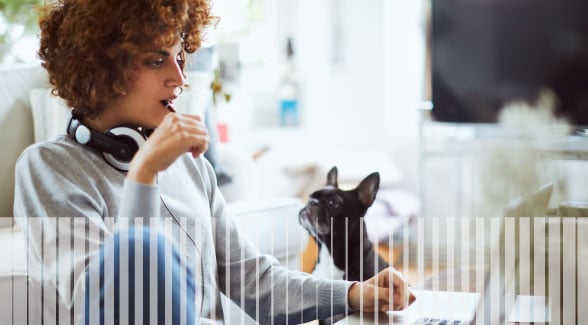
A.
pixel 144 104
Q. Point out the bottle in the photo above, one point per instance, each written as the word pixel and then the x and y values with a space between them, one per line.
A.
pixel 288 90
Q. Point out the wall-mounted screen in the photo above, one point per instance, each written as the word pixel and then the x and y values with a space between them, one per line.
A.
pixel 486 53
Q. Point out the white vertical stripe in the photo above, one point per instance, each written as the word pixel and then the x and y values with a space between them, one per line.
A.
pixel 18 288
pixel 66 254
pixel 480 265
pixel 153 271
pixel 420 253
pixel 407 239
pixel 332 270
pixel 449 285
pixel 480 253
pixel 509 261
pixel 466 249
pixel 228 270
pixel 582 237
pixel 569 271
pixel 322 250
pixel 391 258
pixel 524 275
pixel 287 276
pixel 138 287
pixel 168 271
pixel 183 288
pixel 435 236
pixel 11 295
pixel 435 260
pixel 361 270
pixel 242 273
pixel 94 232
pixel 539 257
pixel 79 249
pixel 109 272
pixel 554 277
pixel 123 270
pixel 494 251
pixel 34 273
pixel 50 298
pixel 49 257
pixel 63 262
pixel 272 273
pixel 406 246
pixel 257 273
pixel 198 285
pixel 15 293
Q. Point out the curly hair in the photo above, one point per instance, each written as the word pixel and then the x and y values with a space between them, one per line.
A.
pixel 90 47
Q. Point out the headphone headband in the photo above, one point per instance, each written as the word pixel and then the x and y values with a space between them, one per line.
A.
pixel 117 145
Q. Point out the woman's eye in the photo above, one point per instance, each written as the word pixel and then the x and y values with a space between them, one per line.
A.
pixel 180 60
pixel 156 63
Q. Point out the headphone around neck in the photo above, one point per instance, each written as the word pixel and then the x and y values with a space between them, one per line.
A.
pixel 117 145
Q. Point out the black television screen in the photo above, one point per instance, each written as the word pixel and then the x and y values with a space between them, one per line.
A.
pixel 486 53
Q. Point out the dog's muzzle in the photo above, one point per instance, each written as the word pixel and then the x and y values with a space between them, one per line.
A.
pixel 312 221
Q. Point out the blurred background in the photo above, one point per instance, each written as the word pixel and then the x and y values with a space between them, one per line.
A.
pixel 300 86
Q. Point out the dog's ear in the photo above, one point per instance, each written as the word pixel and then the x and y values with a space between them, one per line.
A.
pixel 332 177
pixel 367 189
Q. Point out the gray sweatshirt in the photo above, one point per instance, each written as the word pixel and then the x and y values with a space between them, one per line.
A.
pixel 69 201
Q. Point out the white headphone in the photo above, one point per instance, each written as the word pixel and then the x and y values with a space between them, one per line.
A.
pixel 118 145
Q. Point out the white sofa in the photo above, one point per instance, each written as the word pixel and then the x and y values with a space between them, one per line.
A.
pixel 277 215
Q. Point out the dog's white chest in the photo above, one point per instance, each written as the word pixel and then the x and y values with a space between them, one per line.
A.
pixel 326 268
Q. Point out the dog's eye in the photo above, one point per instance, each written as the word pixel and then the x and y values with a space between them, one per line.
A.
pixel 332 203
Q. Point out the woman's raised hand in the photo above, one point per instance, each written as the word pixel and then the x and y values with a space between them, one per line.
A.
pixel 176 135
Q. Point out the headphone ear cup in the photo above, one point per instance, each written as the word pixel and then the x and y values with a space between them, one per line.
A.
pixel 130 137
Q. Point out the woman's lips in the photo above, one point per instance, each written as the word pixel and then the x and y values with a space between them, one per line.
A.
pixel 167 104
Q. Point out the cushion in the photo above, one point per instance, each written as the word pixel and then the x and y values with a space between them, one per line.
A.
pixel 16 125
pixel 50 114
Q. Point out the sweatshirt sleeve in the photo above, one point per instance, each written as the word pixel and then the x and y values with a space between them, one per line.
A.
pixel 267 291
pixel 61 205
pixel 140 201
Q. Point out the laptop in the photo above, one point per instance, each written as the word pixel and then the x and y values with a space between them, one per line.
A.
pixel 496 303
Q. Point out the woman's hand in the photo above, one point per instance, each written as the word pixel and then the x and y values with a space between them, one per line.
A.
pixel 387 290
pixel 176 135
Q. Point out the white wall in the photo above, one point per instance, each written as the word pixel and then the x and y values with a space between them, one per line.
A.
pixel 378 76
pixel 361 65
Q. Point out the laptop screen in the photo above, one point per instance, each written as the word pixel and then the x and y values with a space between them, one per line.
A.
pixel 502 277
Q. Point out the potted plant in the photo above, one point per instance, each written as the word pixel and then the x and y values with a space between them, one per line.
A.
pixel 18 21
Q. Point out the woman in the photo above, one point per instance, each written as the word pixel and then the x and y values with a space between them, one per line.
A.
pixel 136 228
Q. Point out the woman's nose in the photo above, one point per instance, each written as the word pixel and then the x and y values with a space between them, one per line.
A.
pixel 176 76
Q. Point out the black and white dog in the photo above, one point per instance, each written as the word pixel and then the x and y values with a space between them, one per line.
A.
pixel 334 217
